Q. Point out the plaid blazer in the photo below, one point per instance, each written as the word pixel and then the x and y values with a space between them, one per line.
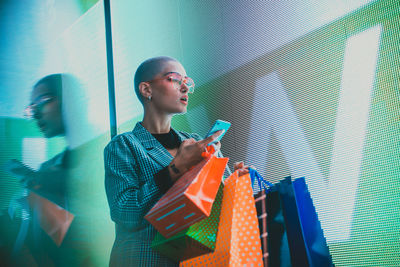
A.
pixel 131 160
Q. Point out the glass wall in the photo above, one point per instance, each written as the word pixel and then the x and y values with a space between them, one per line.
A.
pixel 54 61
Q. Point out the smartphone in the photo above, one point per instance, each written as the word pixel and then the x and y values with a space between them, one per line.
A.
pixel 218 125
pixel 19 170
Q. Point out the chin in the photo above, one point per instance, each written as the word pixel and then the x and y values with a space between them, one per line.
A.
pixel 183 111
pixel 50 134
pixel 179 111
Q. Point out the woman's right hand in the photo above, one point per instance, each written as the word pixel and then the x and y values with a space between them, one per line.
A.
pixel 190 154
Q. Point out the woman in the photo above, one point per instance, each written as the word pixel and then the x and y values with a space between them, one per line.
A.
pixel 140 166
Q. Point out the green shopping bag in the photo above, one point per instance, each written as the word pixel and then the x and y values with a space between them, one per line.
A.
pixel 194 241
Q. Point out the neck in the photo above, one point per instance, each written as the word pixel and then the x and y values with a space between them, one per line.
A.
pixel 156 123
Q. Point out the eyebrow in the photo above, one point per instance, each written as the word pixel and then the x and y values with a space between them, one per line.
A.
pixel 173 72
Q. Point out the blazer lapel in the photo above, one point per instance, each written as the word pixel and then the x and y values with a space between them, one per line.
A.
pixel 154 149
pixel 180 136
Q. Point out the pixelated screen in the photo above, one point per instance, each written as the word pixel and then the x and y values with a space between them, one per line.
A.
pixel 311 91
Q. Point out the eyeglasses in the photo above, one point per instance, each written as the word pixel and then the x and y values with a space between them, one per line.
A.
pixel 31 110
pixel 177 78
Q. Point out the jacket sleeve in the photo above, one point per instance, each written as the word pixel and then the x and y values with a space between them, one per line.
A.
pixel 129 199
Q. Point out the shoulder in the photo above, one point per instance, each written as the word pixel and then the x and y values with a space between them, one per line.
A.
pixel 54 161
pixel 123 140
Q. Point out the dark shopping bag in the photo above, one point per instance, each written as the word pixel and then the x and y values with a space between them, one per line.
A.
pixel 306 242
pixel 277 245
pixel 198 239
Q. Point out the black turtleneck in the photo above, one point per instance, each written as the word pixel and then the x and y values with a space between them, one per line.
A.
pixel 168 140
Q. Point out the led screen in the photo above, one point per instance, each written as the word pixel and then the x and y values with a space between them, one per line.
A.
pixel 314 95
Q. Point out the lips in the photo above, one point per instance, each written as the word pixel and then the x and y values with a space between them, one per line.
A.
pixel 184 99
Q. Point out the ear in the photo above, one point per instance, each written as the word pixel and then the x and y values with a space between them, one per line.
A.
pixel 145 89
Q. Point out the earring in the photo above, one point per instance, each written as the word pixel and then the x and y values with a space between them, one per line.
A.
pixel 149 97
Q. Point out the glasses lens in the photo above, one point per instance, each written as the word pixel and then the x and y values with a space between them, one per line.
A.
pixel 40 104
pixel 189 82
pixel 175 77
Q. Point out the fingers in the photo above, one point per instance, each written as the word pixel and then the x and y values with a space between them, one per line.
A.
pixel 241 168
pixel 238 165
pixel 217 146
pixel 211 138
pixel 243 171
pixel 188 141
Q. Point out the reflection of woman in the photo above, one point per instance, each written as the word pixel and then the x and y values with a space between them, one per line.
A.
pixel 42 245
pixel 46 109
pixel 143 164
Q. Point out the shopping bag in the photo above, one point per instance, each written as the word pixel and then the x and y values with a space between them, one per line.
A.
pixel 238 242
pixel 307 244
pixel 53 219
pixel 277 245
pixel 190 199
pixel 315 242
pixel 198 239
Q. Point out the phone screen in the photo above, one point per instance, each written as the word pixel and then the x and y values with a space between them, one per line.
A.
pixel 219 125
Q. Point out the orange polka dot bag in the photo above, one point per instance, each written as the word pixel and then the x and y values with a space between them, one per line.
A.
pixel 238 239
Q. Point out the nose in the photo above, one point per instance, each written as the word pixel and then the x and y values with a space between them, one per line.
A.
pixel 37 114
pixel 184 87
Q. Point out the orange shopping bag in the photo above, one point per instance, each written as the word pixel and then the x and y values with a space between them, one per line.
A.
pixel 190 199
pixel 238 239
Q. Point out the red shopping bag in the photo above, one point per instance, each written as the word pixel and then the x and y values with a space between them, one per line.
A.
pixel 53 219
pixel 190 199
pixel 196 240
pixel 238 239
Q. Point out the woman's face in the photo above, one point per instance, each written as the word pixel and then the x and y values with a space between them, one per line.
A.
pixel 47 113
pixel 168 97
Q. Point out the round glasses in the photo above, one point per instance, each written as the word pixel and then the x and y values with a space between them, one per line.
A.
pixel 31 110
pixel 178 79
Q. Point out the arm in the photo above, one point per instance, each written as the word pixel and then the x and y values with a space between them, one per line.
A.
pixel 128 199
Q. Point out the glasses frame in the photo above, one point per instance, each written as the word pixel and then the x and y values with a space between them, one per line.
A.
pixel 184 79
pixel 31 110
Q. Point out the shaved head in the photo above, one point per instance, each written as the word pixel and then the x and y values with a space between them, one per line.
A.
pixel 148 70
pixel 53 82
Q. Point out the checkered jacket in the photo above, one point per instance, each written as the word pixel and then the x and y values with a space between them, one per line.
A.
pixel 131 160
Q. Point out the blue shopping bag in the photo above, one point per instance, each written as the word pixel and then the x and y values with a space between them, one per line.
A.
pixel 306 241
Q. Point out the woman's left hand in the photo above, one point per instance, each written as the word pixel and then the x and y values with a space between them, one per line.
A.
pixel 239 166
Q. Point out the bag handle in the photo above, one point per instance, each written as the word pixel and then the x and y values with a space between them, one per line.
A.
pixel 258 182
